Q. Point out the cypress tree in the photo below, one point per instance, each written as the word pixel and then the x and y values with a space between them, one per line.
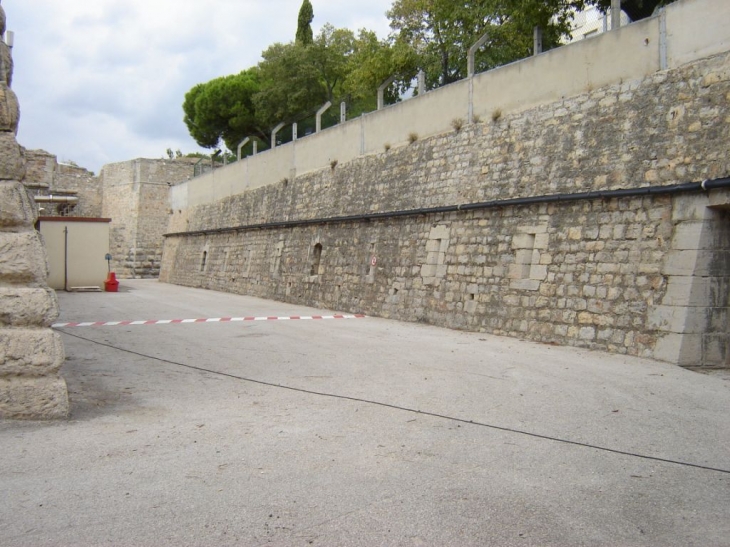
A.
pixel 304 26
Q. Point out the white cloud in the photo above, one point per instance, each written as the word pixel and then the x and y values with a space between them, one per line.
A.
pixel 101 81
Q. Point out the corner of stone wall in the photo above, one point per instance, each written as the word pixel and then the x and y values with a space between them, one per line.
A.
pixel 692 316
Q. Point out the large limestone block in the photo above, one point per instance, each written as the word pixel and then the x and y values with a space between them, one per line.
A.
pixel 16 206
pixel 30 352
pixel 9 109
pixel 33 398
pixel 27 307
pixel 22 258
pixel 12 161
pixel 6 64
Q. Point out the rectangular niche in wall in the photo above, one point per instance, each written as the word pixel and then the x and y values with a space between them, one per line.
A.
pixel 435 268
pixel 247 256
pixel 276 260
pixel 527 272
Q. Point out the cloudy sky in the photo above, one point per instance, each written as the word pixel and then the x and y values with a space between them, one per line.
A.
pixel 101 81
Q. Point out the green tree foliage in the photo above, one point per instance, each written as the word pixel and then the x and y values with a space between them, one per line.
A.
pixel 304 25
pixel 223 109
pixel 442 31
pixel 289 84
pixel 297 80
pixel 372 62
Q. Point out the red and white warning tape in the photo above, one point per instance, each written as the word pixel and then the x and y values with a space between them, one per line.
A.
pixel 211 320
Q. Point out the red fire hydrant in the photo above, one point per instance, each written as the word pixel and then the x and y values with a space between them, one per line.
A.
pixel 111 284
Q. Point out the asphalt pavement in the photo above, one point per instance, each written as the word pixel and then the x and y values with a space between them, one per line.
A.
pixel 251 424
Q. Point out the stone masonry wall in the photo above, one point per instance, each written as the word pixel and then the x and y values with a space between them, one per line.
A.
pixel 46 177
pixel 613 274
pixel 136 198
pixel 31 354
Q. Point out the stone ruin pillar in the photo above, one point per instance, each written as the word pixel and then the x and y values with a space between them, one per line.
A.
pixel 31 354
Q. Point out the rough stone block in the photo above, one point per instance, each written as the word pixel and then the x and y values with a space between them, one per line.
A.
pixel 716 350
pixel 12 162
pixel 525 284
pixel 516 271
pixel 33 398
pixel 27 307
pixel 523 256
pixel 680 263
pixel 690 207
pixel 30 352
pixel 16 206
pixel 697 262
pixel 686 291
pixel 439 232
pixel 6 64
pixel 22 258
pixel 428 270
pixel 538 272
pixel 720 199
pixel 9 109
pixel 433 246
pixel 679 319
pixel 523 241
pixel 587 333
pixel 689 235
pixel 533 229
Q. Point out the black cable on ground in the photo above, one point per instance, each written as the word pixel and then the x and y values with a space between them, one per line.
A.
pixel 405 409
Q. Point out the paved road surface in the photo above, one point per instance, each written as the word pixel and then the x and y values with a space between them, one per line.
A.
pixel 356 432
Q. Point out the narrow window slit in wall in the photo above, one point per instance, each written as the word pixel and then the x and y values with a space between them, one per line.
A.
pixel 247 263
pixel 371 259
pixel 316 259
pixel 204 261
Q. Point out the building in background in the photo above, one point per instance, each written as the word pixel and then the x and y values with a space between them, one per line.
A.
pixel 128 200
pixel 592 22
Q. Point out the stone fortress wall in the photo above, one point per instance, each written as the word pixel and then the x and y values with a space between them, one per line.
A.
pixel 136 196
pixel 46 178
pixel 133 194
pixel 638 273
